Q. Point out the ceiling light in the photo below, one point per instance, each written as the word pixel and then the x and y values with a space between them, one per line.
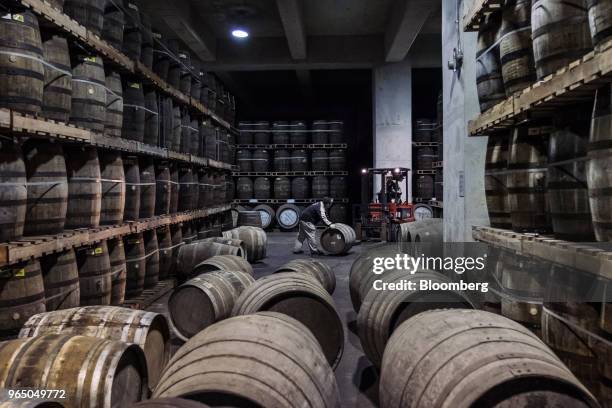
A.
pixel 240 33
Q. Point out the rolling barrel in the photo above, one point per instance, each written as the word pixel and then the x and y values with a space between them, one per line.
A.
pixel 560 32
pixel 88 108
pixel 113 122
pixel 489 80
pixel 496 182
pixel 84 187
pixel 21 56
pixel 459 347
pixel 22 294
pixel 146 329
pixel 224 263
pixel 61 278
pixel 218 365
pixel 47 187
pixel 13 191
pixel 303 298
pixel 113 188
pixel 116 253
pixel 95 280
pixel 254 238
pixel 338 240
pixel 57 94
pixel 191 255
pixel 91 371
pixel 317 269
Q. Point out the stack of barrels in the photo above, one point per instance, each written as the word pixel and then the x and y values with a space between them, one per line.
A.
pixel 528 40
pixel 426 147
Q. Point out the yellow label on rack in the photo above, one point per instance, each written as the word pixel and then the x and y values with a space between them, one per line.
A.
pixel 18 17
pixel 20 273
pixel 90 59
pixel 98 251
pixel 135 85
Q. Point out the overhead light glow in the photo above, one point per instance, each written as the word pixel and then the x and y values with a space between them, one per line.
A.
pixel 240 33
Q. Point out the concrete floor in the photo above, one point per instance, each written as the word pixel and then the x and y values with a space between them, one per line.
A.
pixel 357 379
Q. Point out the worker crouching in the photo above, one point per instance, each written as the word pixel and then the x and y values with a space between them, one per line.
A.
pixel 312 215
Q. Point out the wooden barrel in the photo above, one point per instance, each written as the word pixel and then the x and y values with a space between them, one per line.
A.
pixel 262 188
pixel 600 21
pixel 244 158
pixel 188 189
pixel 282 160
pixel 84 187
pixel 217 366
pixel 166 133
pixel 338 214
pixel 262 134
pixel 267 214
pixel 338 187
pixel 424 186
pixel 210 141
pixel 288 216
pixel 131 211
pixel 317 269
pixel 114 22
pixel 91 371
pixel 196 85
pixel 163 188
pixel 230 189
pixel 299 160
pixel 320 134
pixel 244 134
pixel 47 187
pixel 88 108
pixel 361 276
pixel 146 52
pixel 431 233
pixel 22 294
pixel 95 279
pixel 61 280
pixel 383 309
pixel 185 131
pixel 224 263
pixel 6 402
pixel 320 187
pixel 338 240
pixel 134 111
pixel 185 74
pixel 496 182
pixel 336 131
pixel 147 188
pixel 425 156
pixel 244 188
pixel 148 330
pixel 174 189
pixel 164 243
pixel 168 403
pixel 439 185
pixel 151 259
pixel 320 160
pixel 151 133
pixel 300 188
pixel 560 32
pixel 527 179
pixel 211 296
pixel 113 188
pixel 116 253
pixel 280 133
pixel 454 347
pixel 227 241
pixel 189 232
pixel 515 47
pixel 113 122
pixel 566 182
pixel 191 255
pixel 298 134
pixel 161 57
pixel 255 239
pixel 136 262
pixel 132 35
pixel 409 231
pixel 302 297
pixel 218 188
pixel 423 131
pixel 337 160
pixel 174 69
pixel 176 234
pixel 22 81
pixel 205 188
pixel 89 13
pixel 599 153
pixel 57 93
pixel 13 190
pixel 489 80
pixel 261 160
pixel 282 188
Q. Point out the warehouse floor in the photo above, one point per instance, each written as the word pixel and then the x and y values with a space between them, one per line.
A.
pixel 356 377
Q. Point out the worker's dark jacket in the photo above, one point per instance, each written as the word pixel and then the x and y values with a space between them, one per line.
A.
pixel 315 213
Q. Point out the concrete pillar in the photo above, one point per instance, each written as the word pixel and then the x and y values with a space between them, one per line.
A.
pixel 464 157
pixel 393 118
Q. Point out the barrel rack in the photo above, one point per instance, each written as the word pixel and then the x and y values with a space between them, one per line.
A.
pixel 61 21
pixel 286 201
pixel 36 247
pixel 580 256
pixel 437 165
pixel 574 83
pixel 18 124
pixel 478 11
pixel 292 146
pixel 289 173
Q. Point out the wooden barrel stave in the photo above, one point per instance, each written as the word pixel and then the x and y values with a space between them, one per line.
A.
pixel 84 188
pixel 88 109
pixel 254 238
pixel 224 263
pixel 57 94
pixel 134 111
pixel 95 279
pixel 191 255
pixel 61 280
pixel 338 240
pixel 317 269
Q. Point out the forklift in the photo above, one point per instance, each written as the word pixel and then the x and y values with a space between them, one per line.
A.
pixel 380 220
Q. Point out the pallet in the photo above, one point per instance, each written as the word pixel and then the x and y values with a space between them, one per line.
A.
pixel 20 125
pixel 289 173
pixel 292 146
pixel 36 247
pixel 478 11
pixel 438 165
pixel 151 295
pixel 436 203
pixel 581 256
pixel 572 84
pixel 120 61
pixel 425 144
pixel 286 201
pixel 425 172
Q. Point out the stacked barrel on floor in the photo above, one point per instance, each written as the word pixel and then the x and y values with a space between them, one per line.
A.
pixel 289 146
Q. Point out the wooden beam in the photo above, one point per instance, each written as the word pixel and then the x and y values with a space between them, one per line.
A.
pixel 406 19
pixel 293 23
